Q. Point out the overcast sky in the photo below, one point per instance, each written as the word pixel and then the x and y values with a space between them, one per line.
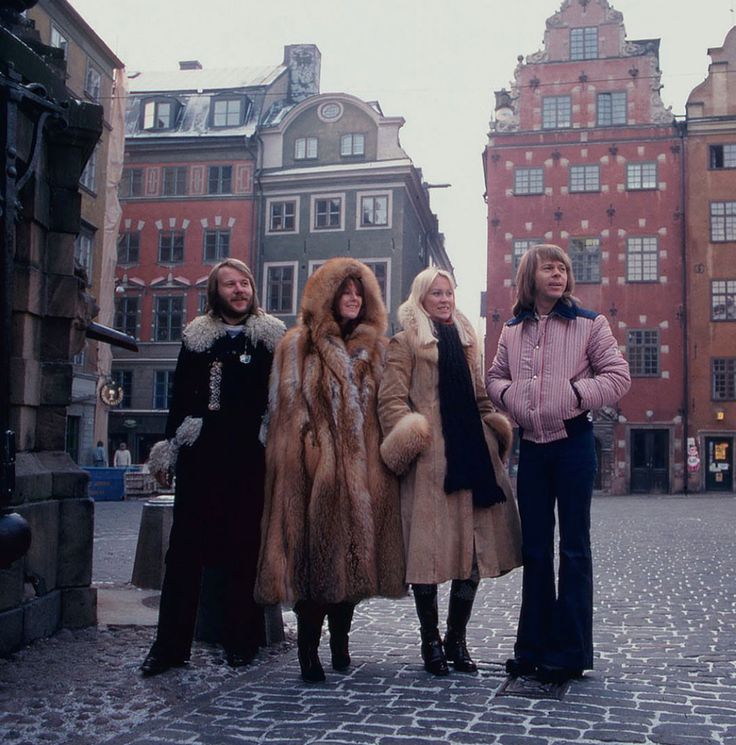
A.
pixel 437 63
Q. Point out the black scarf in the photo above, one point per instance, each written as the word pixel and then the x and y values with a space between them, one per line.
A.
pixel 469 463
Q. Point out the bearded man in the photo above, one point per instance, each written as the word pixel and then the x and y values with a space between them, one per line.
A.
pixel 219 399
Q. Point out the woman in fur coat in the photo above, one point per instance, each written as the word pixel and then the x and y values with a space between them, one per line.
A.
pixel 331 526
pixel 447 442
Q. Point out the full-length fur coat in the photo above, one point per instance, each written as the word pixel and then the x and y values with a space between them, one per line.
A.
pixel 331 529
pixel 442 532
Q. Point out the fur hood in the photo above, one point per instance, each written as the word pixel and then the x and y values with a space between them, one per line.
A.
pixel 203 331
pixel 319 294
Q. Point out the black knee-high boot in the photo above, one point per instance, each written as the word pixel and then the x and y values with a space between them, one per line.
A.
pixel 425 599
pixel 462 595
pixel 339 618
pixel 309 619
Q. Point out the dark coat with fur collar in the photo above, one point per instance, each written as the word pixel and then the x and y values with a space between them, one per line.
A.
pixel 331 529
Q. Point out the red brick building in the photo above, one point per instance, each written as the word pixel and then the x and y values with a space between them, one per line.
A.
pixel 189 200
pixel 583 154
pixel 711 270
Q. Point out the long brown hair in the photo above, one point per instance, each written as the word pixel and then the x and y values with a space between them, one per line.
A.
pixel 525 275
pixel 213 296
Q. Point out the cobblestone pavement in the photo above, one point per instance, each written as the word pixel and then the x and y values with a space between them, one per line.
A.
pixel 665 632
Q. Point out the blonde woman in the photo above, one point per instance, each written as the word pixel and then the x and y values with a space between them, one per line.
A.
pixel 447 442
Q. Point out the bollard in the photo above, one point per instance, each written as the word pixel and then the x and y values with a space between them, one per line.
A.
pixel 153 541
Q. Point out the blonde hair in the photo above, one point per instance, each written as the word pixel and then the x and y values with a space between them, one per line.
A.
pixel 525 275
pixel 213 296
pixel 412 313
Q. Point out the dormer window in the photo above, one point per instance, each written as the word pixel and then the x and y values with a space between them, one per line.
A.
pixel 352 144
pixel 160 113
pixel 228 111
pixel 584 43
pixel 305 148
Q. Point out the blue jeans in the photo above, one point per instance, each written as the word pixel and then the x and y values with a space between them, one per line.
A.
pixel 556 623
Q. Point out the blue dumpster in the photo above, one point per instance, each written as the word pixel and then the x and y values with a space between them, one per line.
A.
pixel 107 484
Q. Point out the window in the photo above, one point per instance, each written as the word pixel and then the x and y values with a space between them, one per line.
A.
pixel 529 181
pixel 328 213
pixel 642 351
pixel 159 114
pixel 170 246
pixel 723 156
pixel 59 41
pixel 556 112
pixel 131 183
pixel 202 303
pixel 168 318
pixel 724 379
pixel 305 147
pixel 124 378
pixel 611 109
pixel 642 259
pixel 126 315
pixel 723 221
pixel 88 179
pixel 585 256
pixel 585 178
pixel 216 245
pixel 83 248
pixel 129 247
pixel 641 175
pixel 162 388
pixel 280 286
pixel 282 216
pixel 175 181
pixel 519 248
pixel 92 82
pixel 380 269
pixel 228 112
pixel 723 300
pixel 352 144
pixel 374 211
pixel 584 43
pixel 220 180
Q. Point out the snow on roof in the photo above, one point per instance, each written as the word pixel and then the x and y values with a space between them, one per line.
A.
pixel 203 80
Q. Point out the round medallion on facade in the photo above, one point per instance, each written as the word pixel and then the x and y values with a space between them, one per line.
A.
pixel 330 111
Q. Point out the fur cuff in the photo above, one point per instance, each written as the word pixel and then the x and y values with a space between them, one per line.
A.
pixel 159 460
pixel 410 437
pixel 501 427
pixel 188 431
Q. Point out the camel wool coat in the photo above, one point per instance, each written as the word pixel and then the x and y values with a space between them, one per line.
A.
pixel 331 529
pixel 442 532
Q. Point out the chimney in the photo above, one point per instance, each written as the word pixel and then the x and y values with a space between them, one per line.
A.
pixel 303 61
pixel 190 64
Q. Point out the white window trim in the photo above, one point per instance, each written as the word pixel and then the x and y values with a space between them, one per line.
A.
pixel 382 260
pixel 313 265
pixel 313 212
pixel 264 293
pixel 359 209
pixel 297 213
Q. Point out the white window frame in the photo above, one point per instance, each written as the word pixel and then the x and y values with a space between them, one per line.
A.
pixel 525 181
pixel 93 82
pixel 306 148
pixel 584 176
pixel 84 248
pixel 267 266
pixel 639 252
pixel 313 213
pixel 352 144
pixel 360 196
pixel 276 199
pixel 387 261
pixel 231 117
pixel 547 102
pixel 88 179
pixel 635 176
pixel 59 40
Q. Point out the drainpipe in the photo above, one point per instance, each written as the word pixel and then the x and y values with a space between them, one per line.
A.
pixel 682 131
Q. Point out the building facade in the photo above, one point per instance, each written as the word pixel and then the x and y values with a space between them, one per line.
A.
pixel 583 154
pixel 94 74
pixel 336 182
pixel 710 272
pixel 189 200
